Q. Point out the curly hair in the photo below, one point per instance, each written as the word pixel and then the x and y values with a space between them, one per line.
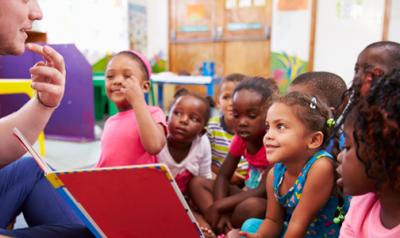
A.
pixel 377 130
pixel 266 88
pixel 311 111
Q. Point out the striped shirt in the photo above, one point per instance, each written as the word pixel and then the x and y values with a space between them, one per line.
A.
pixel 220 140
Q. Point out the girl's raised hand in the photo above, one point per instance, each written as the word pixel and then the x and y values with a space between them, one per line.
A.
pixel 132 90
pixel 48 76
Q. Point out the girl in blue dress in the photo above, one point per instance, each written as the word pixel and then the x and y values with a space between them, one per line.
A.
pixel 300 187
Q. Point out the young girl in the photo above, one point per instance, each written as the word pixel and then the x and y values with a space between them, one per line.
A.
pixel 187 152
pixel 371 165
pixel 220 128
pixel 137 132
pixel 300 186
pixel 222 205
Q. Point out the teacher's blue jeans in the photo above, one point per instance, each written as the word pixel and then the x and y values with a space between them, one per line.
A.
pixel 23 188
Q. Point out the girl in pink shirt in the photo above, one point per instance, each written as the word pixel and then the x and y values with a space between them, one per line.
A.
pixel 222 206
pixel 371 162
pixel 137 132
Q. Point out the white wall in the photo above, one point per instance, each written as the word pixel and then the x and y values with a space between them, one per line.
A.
pixel 291 31
pixel 99 26
pixel 394 25
pixel 157 25
pixel 94 26
pixel 343 31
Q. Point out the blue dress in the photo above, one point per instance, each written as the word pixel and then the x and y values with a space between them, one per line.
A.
pixel 322 225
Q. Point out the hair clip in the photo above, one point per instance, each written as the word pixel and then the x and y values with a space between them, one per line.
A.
pixel 330 122
pixel 340 218
pixel 313 103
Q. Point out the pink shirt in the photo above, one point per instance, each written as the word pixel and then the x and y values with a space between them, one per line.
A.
pixel 120 142
pixel 363 219
pixel 238 148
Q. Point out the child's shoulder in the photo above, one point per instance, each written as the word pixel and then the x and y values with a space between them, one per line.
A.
pixel 323 165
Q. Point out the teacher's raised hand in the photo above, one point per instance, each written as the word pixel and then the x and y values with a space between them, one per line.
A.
pixel 48 76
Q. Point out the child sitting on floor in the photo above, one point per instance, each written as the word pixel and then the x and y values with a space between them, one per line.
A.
pixel 300 187
pixel 137 132
pixel 220 129
pixel 187 152
pixel 223 206
pixel 371 164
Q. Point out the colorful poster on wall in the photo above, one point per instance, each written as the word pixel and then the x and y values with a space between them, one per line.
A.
pixel 289 43
pixel 137 15
pixel 194 17
pixel 292 5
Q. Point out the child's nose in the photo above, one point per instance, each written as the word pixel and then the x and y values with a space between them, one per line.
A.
pixel 242 122
pixel 184 119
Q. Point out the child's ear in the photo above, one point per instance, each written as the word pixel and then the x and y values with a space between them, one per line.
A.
pixel 146 86
pixel 377 72
pixel 316 140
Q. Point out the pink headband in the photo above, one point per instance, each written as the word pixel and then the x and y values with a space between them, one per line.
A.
pixel 144 61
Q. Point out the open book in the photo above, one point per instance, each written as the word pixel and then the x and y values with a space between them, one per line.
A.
pixel 128 201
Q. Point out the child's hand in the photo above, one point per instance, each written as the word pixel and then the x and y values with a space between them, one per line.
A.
pixel 48 78
pixel 248 235
pixel 212 215
pixel 224 225
pixel 132 90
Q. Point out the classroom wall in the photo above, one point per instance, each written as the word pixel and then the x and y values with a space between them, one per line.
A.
pixel 394 26
pixel 344 29
pixel 97 27
pixel 94 26
pixel 290 37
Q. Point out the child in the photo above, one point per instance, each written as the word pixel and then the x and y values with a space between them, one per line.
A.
pixel 220 128
pixel 371 164
pixel 137 132
pixel 300 186
pixel 330 89
pixel 377 59
pixel 222 205
pixel 187 152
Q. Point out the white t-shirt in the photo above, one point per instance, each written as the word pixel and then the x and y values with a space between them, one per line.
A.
pixel 196 163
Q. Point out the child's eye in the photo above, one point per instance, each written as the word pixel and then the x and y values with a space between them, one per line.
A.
pixel 226 97
pixel 281 126
pixel 194 119
pixel 109 76
pixel 235 115
pixel 127 76
pixel 177 113
pixel 253 116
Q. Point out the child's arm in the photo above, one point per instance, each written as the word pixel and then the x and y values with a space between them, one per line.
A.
pixel 316 193
pixel 221 186
pixel 152 134
pixel 273 222
pixel 205 163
